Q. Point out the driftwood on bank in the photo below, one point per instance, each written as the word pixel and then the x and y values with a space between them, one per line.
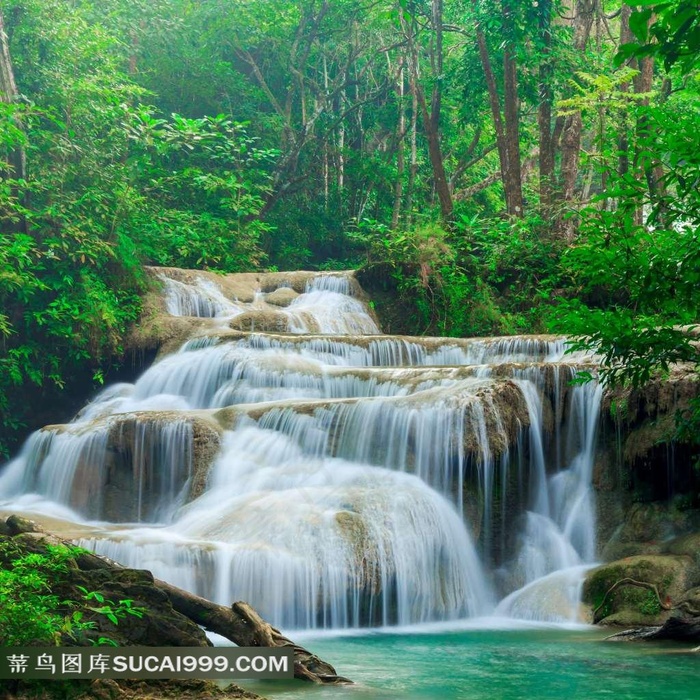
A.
pixel 242 625
pixel 679 629
pixel 676 629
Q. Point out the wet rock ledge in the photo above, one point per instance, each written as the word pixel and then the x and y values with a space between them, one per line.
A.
pixel 172 617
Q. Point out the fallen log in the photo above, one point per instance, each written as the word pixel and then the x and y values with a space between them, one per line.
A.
pixel 242 625
pixel 679 629
pixel 675 629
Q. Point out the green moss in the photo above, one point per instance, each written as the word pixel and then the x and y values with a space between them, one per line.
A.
pixel 650 605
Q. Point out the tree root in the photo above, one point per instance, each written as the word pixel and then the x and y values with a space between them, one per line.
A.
pixel 638 584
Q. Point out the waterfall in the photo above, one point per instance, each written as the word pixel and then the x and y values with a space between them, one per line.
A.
pixel 329 475
pixel 558 535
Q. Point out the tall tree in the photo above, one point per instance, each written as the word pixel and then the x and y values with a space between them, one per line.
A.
pixel 431 113
pixel 582 17
pixel 17 159
pixel 545 106
pixel 507 122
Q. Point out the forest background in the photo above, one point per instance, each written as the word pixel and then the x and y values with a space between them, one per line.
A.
pixel 502 167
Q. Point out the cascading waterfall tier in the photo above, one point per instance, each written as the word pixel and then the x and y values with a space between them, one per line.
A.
pixel 290 455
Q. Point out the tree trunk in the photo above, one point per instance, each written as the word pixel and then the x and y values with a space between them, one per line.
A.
pixel 431 116
pixel 584 14
pixel 400 157
pixel 494 101
pixel 544 111
pixel 413 166
pixel 8 94
pixel 623 145
pixel 507 137
pixel 514 183
pixel 652 167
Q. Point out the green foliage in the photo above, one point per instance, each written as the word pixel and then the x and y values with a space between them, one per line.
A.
pixel 28 609
pixel 32 614
pixel 289 133
pixel 111 185
pixel 637 285
pixel 650 604
pixel 634 273
pixel 114 612
pixel 669 30
pixel 204 182
pixel 519 261
pixel 479 279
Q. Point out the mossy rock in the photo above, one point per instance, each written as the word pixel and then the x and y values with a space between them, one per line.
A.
pixel 647 528
pixel 687 545
pixel 689 603
pixel 17 525
pixel 632 605
pixel 615 550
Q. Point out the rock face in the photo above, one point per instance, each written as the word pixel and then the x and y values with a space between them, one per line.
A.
pixel 258 297
pixel 648 528
pixel 128 467
pixel 283 296
pixel 686 545
pixel 263 321
pixel 648 509
pixel 643 476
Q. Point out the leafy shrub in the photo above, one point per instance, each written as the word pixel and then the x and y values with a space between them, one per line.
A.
pixel 32 614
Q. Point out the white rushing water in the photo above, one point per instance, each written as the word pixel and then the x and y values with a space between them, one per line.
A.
pixel 331 476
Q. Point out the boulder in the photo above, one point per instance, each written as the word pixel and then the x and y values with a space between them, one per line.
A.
pixel 283 296
pixel 647 528
pixel 137 468
pixel 262 321
pixel 637 590
pixel 686 545
pixel 689 602
pixel 17 525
